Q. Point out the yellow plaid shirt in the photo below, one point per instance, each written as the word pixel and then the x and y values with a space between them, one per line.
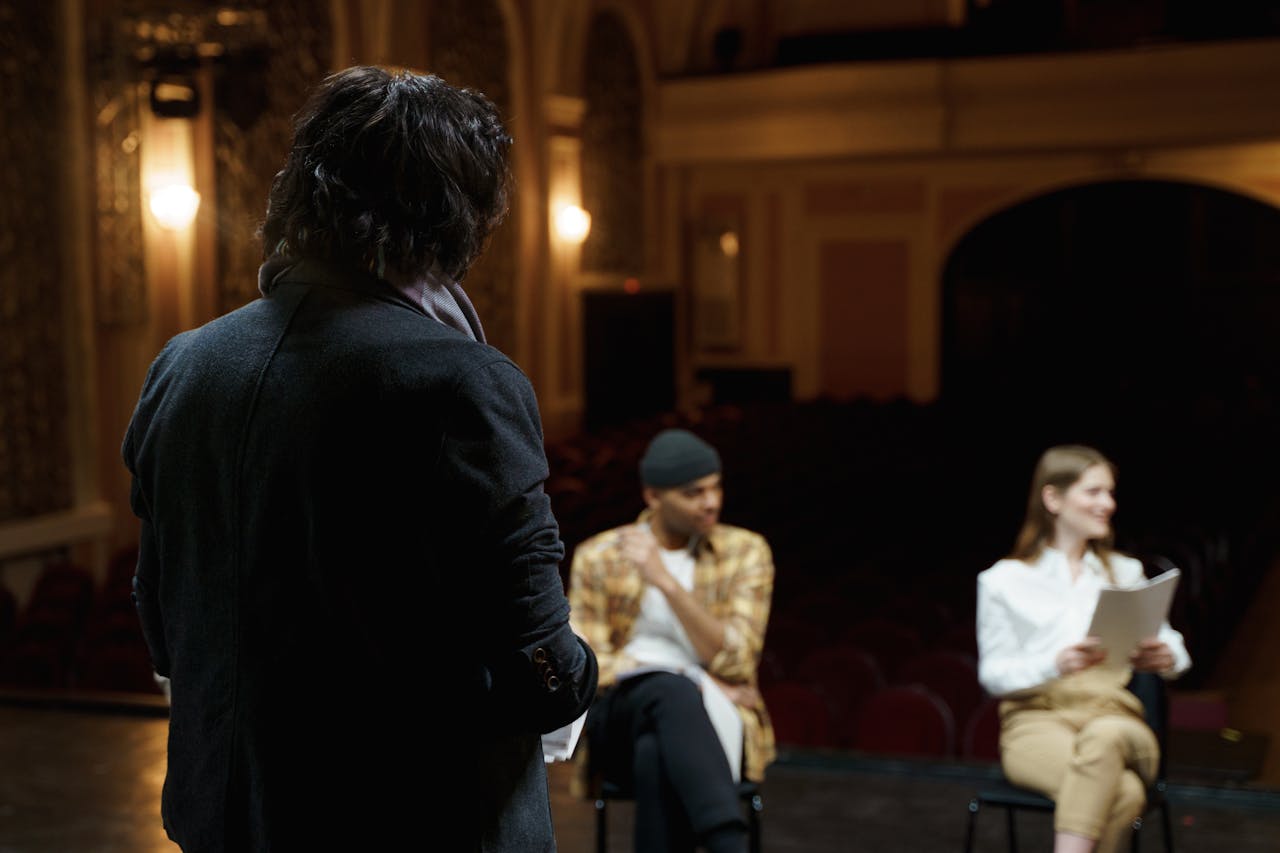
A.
pixel 732 579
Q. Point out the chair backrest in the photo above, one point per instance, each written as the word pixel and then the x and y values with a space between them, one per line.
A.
pixel 1154 695
pixel 906 721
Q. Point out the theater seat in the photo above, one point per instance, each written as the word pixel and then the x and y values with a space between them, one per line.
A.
pixel 951 676
pixel 906 720
pixel 846 677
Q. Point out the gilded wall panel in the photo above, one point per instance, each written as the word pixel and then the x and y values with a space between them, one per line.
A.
pixel 612 151
pixel 120 295
pixel 469 48
pixel 35 475
pixel 257 94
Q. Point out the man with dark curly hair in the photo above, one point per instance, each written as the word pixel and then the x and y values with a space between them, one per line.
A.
pixel 348 567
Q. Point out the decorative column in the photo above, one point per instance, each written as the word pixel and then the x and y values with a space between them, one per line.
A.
pixel 562 401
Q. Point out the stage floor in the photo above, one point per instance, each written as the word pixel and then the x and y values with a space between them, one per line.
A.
pixel 76 781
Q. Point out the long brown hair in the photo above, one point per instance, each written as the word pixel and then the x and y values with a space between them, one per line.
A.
pixel 1058 467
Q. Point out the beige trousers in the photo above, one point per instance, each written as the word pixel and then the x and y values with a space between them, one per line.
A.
pixel 1082 742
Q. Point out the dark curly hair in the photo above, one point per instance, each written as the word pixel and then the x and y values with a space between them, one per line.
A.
pixel 391 170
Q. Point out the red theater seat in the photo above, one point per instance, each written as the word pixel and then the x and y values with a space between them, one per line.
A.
pixel 906 721
pixel 798 713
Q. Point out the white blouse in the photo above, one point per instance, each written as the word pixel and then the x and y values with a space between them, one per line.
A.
pixel 1029 612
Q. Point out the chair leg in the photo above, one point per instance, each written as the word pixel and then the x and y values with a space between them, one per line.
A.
pixel 602 828
pixel 974 805
pixel 1167 820
pixel 755 807
pixel 1013 830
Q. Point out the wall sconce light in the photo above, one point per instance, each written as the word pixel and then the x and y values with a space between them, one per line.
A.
pixel 174 205
pixel 175 96
pixel 573 224
pixel 729 244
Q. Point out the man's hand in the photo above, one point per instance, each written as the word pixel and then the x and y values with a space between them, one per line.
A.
pixel 1151 655
pixel 740 694
pixel 706 633
pixel 640 548
pixel 1082 655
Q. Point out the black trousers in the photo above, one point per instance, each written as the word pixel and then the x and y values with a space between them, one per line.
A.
pixel 651 734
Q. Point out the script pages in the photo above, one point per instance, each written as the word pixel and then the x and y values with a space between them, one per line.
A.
pixel 1126 616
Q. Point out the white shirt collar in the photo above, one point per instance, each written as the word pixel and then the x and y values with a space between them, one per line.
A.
pixel 1056 559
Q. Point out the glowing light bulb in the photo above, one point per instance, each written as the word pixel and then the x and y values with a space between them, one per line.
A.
pixel 573 224
pixel 729 244
pixel 174 205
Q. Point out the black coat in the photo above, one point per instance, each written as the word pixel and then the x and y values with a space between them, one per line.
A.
pixel 348 565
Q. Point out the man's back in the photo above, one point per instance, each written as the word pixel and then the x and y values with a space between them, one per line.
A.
pixel 343 519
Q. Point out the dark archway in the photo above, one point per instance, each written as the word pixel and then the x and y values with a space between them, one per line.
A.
pixel 1131 314
pixel 1119 288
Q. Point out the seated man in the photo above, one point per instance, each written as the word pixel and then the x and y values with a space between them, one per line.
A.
pixel 675 608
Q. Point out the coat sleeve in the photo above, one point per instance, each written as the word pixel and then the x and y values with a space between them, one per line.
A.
pixel 493 467
pixel 146 578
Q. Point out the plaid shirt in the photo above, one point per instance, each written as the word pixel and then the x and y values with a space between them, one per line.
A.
pixel 732 579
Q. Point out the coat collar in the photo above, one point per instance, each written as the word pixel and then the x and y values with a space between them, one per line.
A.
pixel 432 296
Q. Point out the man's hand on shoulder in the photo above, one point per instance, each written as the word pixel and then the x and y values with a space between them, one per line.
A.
pixel 640 549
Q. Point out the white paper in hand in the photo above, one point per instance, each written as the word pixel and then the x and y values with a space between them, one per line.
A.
pixel 559 745
pixel 1126 616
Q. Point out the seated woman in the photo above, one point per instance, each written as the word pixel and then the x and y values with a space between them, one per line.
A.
pixel 1068 726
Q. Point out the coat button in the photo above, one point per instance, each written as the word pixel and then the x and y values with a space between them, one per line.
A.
pixel 539 655
pixel 553 683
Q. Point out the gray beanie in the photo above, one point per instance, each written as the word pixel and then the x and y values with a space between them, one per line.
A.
pixel 676 457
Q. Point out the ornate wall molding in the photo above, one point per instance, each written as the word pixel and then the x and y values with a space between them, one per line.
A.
pixel 468 47
pixel 120 293
pixel 613 150
pixel 35 475
pixel 256 98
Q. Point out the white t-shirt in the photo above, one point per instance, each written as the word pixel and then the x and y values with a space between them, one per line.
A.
pixel 1029 612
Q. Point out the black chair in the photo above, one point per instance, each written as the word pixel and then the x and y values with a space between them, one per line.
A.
pixel 1149 688
pixel 748 792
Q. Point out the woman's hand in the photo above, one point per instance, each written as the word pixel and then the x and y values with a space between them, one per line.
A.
pixel 1152 656
pixel 1082 655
